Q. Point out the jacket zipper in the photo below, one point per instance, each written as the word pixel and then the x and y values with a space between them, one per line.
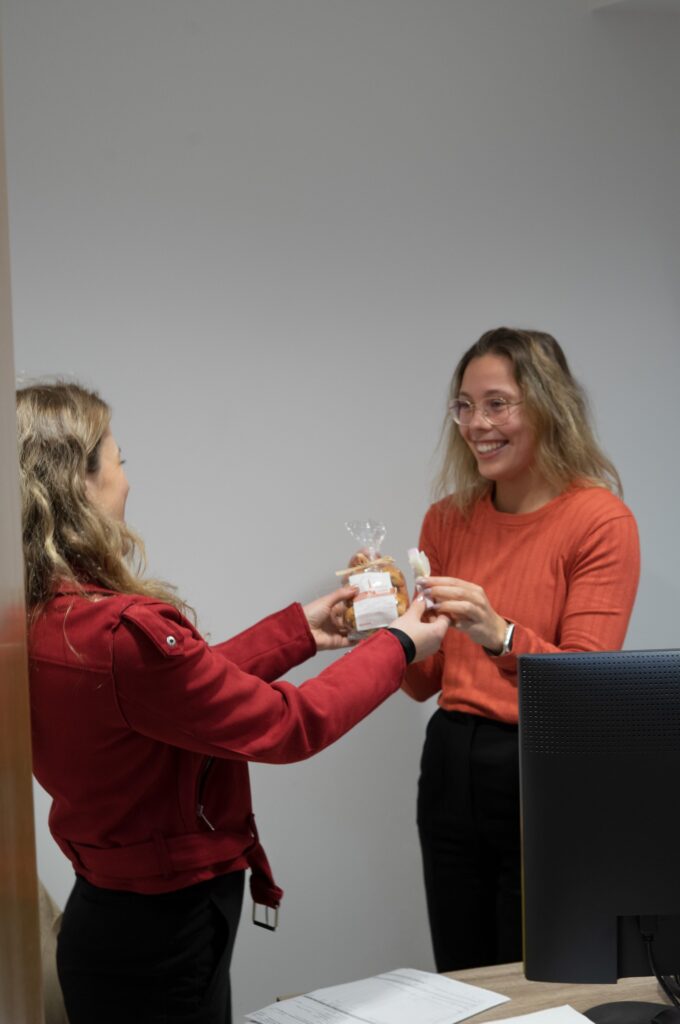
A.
pixel 200 808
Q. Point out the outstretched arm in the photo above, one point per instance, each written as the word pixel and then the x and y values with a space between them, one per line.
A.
pixel 173 687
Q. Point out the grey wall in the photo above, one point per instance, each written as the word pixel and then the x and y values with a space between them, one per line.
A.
pixel 266 230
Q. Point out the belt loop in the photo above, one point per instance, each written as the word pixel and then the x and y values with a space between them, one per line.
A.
pixel 162 852
pixel 263 888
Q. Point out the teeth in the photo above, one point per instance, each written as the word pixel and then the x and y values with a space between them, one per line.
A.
pixel 489 446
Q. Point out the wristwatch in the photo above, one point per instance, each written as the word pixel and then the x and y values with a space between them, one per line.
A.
pixel 507 643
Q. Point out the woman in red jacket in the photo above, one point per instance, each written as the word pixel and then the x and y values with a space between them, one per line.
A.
pixel 531 551
pixel 142 731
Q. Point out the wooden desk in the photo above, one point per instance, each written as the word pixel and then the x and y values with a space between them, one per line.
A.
pixel 527 996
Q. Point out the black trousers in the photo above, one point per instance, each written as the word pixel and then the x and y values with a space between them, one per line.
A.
pixel 469 825
pixel 126 957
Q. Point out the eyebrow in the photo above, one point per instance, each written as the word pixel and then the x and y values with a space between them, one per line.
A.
pixel 489 392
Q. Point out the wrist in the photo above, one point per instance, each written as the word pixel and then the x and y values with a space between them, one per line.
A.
pixel 311 630
pixel 505 646
pixel 406 642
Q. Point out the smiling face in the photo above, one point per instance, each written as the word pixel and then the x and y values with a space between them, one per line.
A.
pixel 504 453
pixel 107 486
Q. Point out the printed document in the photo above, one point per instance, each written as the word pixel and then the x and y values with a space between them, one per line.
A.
pixel 554 1015
pixel 397 997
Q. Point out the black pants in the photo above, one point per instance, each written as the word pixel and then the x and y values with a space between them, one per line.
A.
pixel 469 825
pixel 125 957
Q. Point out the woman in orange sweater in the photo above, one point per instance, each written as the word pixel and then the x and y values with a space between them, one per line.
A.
pixel 531 551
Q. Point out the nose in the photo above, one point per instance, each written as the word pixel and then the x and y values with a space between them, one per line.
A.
pixel 478 418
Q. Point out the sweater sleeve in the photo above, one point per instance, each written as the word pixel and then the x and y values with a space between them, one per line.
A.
pixel 424 678
pixel 602 585
pixel 171 686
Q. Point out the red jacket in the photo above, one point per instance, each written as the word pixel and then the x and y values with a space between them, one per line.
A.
pixel 142 731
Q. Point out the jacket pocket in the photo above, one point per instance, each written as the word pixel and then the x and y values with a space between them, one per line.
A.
pixel 201 783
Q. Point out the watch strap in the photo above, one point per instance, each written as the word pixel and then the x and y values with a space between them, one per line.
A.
pixel 507 643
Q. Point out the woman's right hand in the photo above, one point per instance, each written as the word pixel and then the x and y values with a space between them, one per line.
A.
pixel 427 636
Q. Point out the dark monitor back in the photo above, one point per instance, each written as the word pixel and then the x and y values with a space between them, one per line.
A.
pixel 600 778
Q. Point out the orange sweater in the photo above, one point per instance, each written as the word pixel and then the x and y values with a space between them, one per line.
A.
pixel 566 575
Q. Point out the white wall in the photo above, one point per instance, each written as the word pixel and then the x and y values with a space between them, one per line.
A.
pixel 266 230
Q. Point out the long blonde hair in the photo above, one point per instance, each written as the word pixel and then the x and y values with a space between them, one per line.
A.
pixel 557 410
pixel 68 542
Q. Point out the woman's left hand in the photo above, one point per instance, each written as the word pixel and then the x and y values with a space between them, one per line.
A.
pixel 325 618
pixel 468 608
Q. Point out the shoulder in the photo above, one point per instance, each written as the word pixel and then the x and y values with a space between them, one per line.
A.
pixel 94 616
pixel 442 514
pixel 107 607
pixel 446 515
pixel 82 627
pixel 597 524
pixel 598 504
pixel 160 623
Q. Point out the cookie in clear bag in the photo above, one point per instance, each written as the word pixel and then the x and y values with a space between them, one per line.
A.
pixel 383 594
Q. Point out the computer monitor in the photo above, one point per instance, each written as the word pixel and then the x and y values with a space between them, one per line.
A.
pixel 600 797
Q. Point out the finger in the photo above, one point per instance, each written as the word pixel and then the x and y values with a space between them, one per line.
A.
pixel 417 608
pixel 345 593
pixel 445 593
pixel 442 581
pixel 457 609
pixel 442 624
pixel 452 609
pixel 450 586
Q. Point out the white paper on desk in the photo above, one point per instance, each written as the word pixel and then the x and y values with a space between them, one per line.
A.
pixel 397 997
pixel 555 1015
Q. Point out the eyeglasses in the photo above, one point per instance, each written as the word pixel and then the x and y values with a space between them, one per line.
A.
pixel 494 410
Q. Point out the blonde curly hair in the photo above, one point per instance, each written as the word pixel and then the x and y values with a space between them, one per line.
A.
pixel 567 452
pixel 68 542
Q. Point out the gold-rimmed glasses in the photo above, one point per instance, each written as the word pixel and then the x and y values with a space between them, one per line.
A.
pixel 494 410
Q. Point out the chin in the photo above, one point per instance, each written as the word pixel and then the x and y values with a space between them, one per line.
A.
pixel 490 474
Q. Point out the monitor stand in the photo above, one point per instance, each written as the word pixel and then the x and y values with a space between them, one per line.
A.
pixel 632 1012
